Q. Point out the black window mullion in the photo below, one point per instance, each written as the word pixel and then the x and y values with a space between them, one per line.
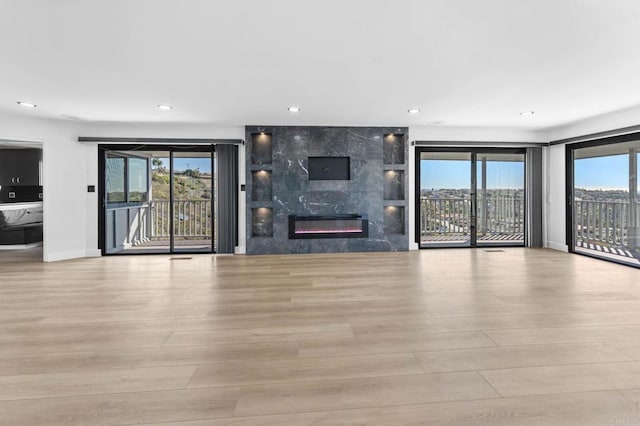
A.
pixel 473 214
pixel 171 212
pixel 126 180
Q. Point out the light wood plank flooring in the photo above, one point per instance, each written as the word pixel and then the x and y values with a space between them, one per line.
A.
pixel 452 337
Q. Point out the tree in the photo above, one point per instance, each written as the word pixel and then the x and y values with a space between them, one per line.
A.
pixel 158 165
pixel 192 172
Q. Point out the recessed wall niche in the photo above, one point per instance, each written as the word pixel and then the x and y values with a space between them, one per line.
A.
pixel 261 148
pixel 393 185
pixel 393 149
pixel 394 220
pixel 261 185
pixel 262 222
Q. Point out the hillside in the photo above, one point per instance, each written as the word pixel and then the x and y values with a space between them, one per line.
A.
pixel 189 185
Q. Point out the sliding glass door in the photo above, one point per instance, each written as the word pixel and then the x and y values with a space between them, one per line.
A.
pixel 603 185
pixel 471 198
pixel 158 200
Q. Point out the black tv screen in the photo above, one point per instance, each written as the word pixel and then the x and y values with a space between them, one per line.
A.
pixel 329 168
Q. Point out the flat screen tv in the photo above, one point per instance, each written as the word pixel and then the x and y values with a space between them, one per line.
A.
pixel 329 168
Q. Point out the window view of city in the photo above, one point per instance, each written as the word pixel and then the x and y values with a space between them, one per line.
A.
pixel 605 202
pixel 447 214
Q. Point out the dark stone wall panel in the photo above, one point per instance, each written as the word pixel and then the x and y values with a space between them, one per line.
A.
pixel 293 193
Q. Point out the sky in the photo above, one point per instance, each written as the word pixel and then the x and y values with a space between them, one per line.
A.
pixel 606 173
pixel 611 172
pixel 181 164
pixel 456 174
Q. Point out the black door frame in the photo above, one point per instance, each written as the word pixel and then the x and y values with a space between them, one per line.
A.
pixel 474 151
pixel 569 190
pixel 102 196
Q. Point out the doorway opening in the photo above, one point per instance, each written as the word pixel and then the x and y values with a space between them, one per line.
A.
pixel 470 197
pixel 21 201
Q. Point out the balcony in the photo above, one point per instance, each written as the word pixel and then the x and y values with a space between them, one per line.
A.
pixel 146 227
pixel 608 227
pixel 500 220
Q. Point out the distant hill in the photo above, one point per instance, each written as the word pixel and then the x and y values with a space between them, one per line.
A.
pixel 602 194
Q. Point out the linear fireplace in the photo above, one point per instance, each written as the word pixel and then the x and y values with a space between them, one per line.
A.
pixel 335 226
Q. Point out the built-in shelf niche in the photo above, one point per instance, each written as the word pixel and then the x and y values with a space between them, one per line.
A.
pixel 393 185
pixel 393 148
pixel 261 185
pixel 394 222
pixel 262 222
pixel 261 148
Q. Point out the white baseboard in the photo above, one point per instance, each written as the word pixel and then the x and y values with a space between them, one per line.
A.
pixel 414 246
pixel 557 246
pixel 93 253
pixel 64 255
pixel 241 250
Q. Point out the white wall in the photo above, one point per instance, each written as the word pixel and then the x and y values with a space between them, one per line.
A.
pixel 64 177
pixel 554 219
pixel 475 134
pixel 601 123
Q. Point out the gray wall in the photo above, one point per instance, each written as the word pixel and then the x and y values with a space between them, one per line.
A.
pixel 291 192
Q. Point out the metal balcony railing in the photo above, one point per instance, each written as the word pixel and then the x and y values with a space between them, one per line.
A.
pixel 606 223
pixel 444 217
pixel 192 218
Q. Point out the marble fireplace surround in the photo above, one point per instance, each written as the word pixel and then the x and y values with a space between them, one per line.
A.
pixel 278 186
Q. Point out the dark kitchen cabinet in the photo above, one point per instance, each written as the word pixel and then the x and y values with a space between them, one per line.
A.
pixel 20 167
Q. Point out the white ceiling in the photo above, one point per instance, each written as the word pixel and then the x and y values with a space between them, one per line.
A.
pixel 347 62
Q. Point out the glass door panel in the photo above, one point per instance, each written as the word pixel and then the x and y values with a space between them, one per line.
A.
pixel 605 202
pixel 137 183
pixel 193 194
pixel 445 199
pixel 500 199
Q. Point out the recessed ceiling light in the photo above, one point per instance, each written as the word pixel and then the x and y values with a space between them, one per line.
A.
pixel 526 113
pixel 26 104
pixel 165 107
pixel 413 111
pixel 294 109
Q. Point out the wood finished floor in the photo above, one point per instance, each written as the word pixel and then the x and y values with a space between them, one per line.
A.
pixel 452 337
